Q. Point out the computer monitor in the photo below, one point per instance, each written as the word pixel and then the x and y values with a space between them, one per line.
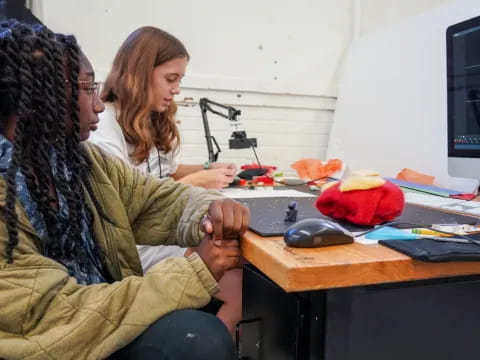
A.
pixel 463 98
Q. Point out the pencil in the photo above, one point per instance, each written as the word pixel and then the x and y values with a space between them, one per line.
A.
pixel 428 232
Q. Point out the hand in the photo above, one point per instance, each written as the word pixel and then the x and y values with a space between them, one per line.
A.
pixel 219 255
pixel 212 178
pixel 226 219
pixel 230 166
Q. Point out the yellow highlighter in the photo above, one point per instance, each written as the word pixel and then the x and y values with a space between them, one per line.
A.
pixel 429 232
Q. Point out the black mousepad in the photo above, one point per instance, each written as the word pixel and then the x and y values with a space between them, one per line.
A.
pixel 267 214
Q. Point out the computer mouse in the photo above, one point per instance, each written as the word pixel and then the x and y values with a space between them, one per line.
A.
pixel 235 182
pixel 316 232
pixel 248 174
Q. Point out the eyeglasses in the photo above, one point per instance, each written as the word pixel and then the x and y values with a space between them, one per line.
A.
pixel 92 88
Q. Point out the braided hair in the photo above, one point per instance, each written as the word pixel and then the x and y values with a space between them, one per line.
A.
pixel 37 70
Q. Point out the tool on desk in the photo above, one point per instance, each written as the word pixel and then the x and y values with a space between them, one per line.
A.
pixel 456 228
pixel 423 231
pixel 390 233
pixel 454 240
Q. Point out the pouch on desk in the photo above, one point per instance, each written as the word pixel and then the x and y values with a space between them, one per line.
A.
pixel 390 233
pixel 435 251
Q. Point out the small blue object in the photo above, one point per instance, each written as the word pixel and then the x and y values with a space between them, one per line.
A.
pixel 390 233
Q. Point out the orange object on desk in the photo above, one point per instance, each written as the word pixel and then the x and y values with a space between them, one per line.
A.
pixel 415 177
pixel 315 169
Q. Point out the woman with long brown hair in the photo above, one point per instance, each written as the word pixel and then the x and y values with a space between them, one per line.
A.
pixel 139 126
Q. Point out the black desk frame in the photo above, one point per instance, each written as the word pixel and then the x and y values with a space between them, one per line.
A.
pixel 435 319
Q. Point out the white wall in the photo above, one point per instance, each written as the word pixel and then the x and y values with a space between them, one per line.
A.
pixel 276 60
pixel 373 15
pixel 287 127
pixel 391 109
pixel 279 62
pixel 285 46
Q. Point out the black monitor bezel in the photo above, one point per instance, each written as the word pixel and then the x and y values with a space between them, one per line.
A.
pixel 451 30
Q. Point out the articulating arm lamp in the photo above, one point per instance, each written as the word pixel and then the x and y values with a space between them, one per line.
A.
pixel 238 139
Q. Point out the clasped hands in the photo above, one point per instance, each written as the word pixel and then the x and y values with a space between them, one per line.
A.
pixel 224 223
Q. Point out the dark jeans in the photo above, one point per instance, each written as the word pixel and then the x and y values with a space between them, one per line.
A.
pixel 182 335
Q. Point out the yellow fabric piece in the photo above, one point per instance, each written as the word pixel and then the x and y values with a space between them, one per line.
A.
pixel 365 172
pixel 361 183
pixel 46 314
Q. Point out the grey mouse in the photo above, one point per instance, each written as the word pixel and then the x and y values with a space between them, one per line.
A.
pixel 316 232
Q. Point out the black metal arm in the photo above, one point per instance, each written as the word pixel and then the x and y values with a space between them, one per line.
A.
pixel 206 105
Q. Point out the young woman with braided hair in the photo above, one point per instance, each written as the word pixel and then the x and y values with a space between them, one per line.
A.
pixel 71 282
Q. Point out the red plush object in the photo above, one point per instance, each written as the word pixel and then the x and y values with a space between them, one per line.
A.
pixel 362 207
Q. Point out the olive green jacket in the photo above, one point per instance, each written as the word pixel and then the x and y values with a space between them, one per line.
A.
pixel 45 314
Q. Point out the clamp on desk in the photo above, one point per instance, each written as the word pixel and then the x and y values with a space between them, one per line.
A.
pixel 238 139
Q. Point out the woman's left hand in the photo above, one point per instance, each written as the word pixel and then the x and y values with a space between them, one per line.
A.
pixel 226 219
pixel 231 166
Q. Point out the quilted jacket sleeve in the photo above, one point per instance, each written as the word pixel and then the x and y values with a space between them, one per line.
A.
pixel 160 211
pixel 45 314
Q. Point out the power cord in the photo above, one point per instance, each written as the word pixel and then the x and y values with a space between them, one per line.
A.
pixel 280 182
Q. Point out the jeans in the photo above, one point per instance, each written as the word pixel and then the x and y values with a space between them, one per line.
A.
pixel 182 335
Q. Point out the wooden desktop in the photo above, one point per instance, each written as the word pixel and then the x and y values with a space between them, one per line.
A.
pixel 299 269
pixel 355 302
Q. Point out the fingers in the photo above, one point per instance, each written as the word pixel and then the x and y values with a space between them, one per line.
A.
pixel 219 258
pixel 206 225
pixel 230 166
pixel 245 220
pixel 227 243
pixel 228 223
pixel 227 177
pixel 219 178
pixel 230 257
pixel 237 221
pixel 231 262
pixel 216 217
pixel 227 172
pixel 231 252
pixel 228 218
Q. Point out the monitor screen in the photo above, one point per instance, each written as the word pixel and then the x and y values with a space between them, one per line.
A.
pixel 463 91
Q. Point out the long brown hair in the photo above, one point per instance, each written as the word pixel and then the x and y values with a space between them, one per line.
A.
pixel 128 87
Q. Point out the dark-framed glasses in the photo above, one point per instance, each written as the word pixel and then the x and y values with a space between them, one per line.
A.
pixel 91 87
